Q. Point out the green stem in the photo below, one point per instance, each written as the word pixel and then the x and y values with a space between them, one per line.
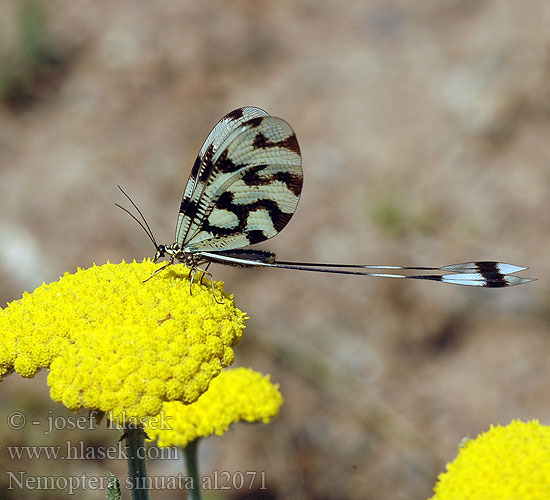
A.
pixel 191 462
pixel 137 471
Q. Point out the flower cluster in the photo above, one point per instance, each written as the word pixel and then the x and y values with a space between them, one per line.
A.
pixel 510 462
pixel 236 394
pixel 119 345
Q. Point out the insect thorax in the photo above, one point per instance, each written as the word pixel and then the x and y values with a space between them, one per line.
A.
pixel 175 252
pixel 190 259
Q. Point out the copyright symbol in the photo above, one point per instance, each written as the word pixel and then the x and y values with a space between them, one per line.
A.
pixel 16 420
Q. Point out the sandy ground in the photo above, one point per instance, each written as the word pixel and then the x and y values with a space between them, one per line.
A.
pixel 424 132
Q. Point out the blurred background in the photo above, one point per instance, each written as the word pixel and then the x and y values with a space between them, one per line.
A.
pixel 424 131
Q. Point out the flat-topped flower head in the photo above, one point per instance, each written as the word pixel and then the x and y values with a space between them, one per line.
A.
pixel 511 462
pixel 239 394
pixel 115 344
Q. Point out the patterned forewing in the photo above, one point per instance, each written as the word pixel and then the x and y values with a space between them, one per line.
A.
pixel 217 135
pixel 252 190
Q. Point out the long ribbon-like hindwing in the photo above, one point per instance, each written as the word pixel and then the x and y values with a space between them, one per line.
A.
pixel 484 273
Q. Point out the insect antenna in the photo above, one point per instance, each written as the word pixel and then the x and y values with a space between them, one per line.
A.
pixel 145 226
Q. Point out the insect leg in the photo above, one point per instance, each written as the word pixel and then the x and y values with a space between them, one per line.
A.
pixel 160 269
pixel 212 285
pixel 205 269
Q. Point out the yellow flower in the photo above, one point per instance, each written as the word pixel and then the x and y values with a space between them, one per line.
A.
pixel 511 462
pixel 238 394
pixel 115 344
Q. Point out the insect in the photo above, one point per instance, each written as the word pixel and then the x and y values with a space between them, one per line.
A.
pixel 244 188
